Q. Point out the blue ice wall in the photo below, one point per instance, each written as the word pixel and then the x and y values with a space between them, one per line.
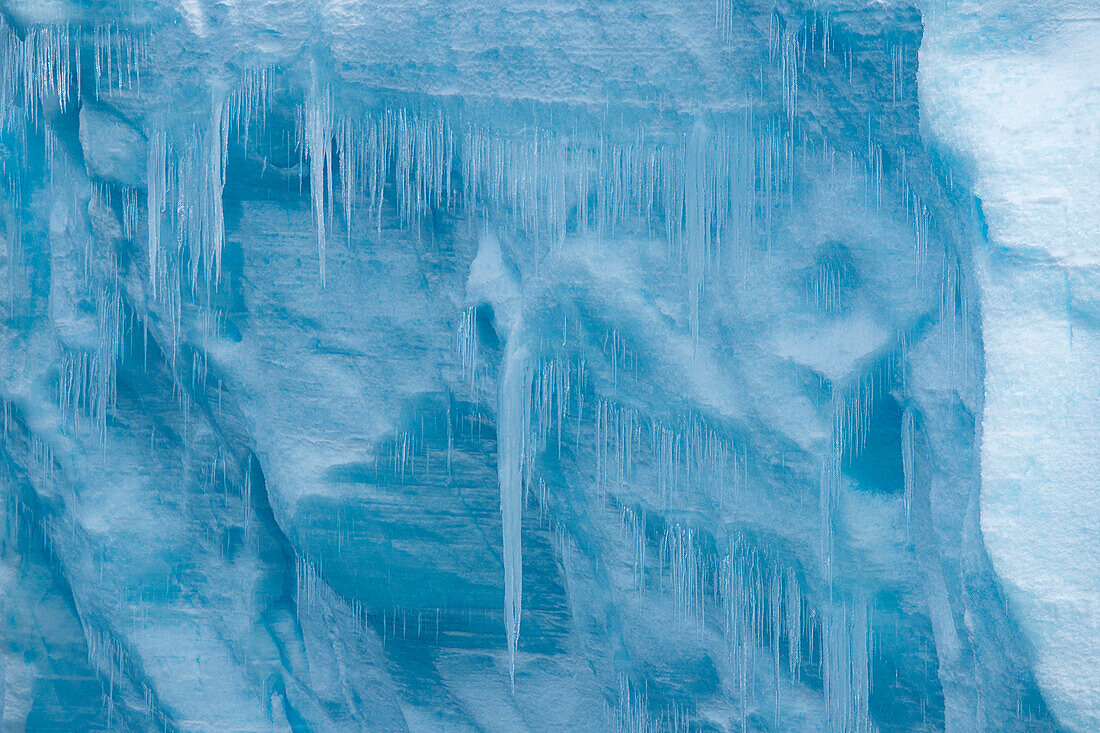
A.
pixel 472 366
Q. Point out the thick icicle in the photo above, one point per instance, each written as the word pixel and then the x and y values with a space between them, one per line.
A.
pixel 908 463
pixel 318 142
pixel 512 448
pixel 493 281
pixel 156 200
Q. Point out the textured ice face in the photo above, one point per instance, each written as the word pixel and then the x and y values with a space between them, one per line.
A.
pixel 468 366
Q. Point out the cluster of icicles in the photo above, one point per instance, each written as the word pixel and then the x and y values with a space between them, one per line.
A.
pixel 42 70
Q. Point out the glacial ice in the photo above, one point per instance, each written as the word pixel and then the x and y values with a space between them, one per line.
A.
pixel 464 365
pixel 1018 102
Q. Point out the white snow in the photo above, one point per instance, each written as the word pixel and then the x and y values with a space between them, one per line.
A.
pixel 1010 90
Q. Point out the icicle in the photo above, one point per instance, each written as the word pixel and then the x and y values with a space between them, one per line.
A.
pixel 512 453
pixel 491 280
pixel 348 155
pixel 156 194
pixel 697 209
pixel 845 662
pixel 467 345
pixel 794 625
pixel 908 462
pixel 318 147
pixel 681 557
pixel 214 181
pixel 789 54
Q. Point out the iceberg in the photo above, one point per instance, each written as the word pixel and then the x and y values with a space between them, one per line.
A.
pixel 459 365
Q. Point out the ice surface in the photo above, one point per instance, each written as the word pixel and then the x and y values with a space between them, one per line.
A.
pixel 461 365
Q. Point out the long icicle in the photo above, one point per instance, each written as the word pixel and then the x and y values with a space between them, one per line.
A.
pixel 512 448
pixel 156 177
pixel 492 280
pixel 318 141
